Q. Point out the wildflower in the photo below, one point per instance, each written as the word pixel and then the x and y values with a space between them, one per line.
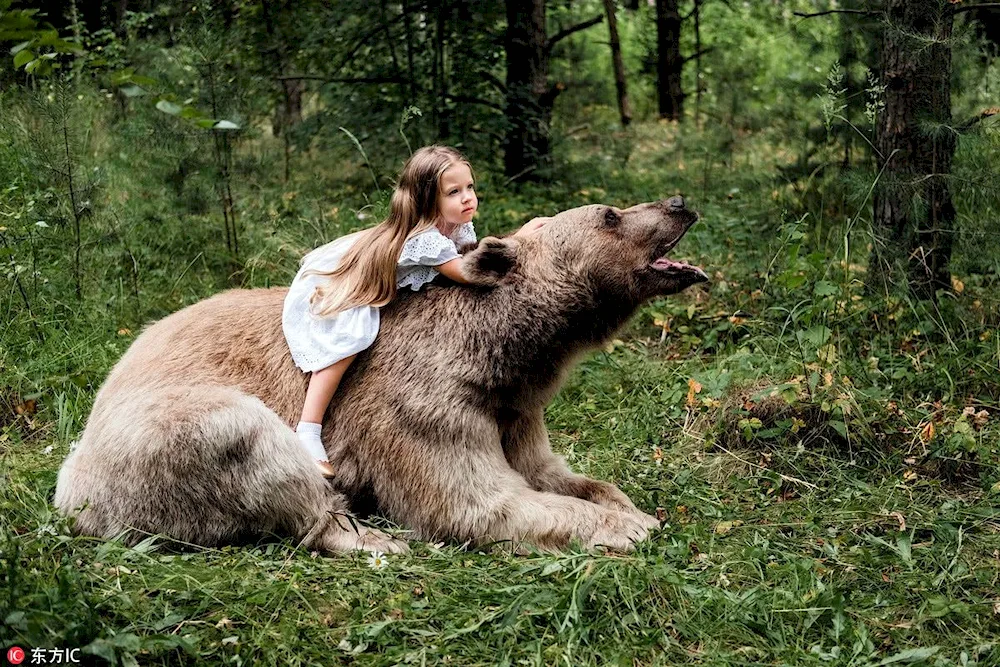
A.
pixel 377 560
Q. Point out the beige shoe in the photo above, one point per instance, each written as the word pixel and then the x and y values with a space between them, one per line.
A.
pixel 326 469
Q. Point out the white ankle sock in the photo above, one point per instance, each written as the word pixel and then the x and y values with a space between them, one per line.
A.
pixel 309 433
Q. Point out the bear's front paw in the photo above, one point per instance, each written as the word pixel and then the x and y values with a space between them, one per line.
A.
pixel 620 531
pixel 355 537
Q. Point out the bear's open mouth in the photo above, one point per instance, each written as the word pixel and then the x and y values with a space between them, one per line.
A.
pixel 660 262
pixel 671 266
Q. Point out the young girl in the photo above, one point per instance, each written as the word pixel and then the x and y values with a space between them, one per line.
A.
pixel 332 309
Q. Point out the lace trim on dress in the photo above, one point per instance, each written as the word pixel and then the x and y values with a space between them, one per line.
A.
pixel 430 248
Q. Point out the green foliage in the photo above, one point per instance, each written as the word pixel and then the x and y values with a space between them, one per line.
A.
pixel 38 46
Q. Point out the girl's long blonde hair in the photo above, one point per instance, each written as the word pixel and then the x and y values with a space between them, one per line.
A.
pixel 366 276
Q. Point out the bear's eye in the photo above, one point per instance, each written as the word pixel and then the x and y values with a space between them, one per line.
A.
pixel 611 219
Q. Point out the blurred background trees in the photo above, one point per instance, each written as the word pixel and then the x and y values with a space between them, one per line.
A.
pixel 876 116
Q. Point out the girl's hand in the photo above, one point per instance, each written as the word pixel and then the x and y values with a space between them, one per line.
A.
pixel 531 227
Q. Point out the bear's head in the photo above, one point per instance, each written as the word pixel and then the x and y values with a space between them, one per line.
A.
pixel 611 253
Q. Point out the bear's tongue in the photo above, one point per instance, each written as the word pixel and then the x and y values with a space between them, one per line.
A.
pixel 667 264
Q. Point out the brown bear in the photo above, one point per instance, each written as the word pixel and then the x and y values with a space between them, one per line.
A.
pixel 438 426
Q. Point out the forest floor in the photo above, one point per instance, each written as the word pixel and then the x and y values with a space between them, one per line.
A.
pixel 828 497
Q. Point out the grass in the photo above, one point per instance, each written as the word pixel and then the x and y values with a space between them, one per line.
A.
pixel 778 420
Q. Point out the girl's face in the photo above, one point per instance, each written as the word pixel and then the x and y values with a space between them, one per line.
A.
pixel 457 201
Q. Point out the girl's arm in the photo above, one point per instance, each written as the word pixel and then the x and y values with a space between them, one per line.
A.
pixel 452 269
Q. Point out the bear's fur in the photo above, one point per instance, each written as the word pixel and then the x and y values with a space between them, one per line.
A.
pixel 438 426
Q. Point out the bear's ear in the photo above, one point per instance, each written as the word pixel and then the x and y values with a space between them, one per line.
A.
pixel 491 261
pixel 611 218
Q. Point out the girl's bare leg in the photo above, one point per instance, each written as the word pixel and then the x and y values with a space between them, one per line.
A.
pixel 322 386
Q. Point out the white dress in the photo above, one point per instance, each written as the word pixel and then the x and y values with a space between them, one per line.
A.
pixel 318 342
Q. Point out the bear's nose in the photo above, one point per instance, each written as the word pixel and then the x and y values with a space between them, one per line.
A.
pixel 676 203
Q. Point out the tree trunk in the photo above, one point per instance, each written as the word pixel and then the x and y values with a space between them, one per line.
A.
pixel 616 58
pixel 913 211
pixel 411 70
pixel 698 90
pixel 441 111
pixel 853 94
pixel 288 112
pixel 529 98
pixel 121 6
pixel 669 63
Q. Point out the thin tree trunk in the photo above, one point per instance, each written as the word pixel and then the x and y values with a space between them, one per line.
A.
pixel 527 142
pixel 854 98
pixel 384 17
pixel 529 96
pixel 624 109
pixel 408 27
pixel 913 210
pixel 222 152
pixel 670 64
pixel 697 62
pixel 441 45
pixel 288 112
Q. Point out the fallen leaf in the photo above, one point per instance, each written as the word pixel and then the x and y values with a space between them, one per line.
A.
pixel 724 527
pixel 927 433
pixel 694 387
